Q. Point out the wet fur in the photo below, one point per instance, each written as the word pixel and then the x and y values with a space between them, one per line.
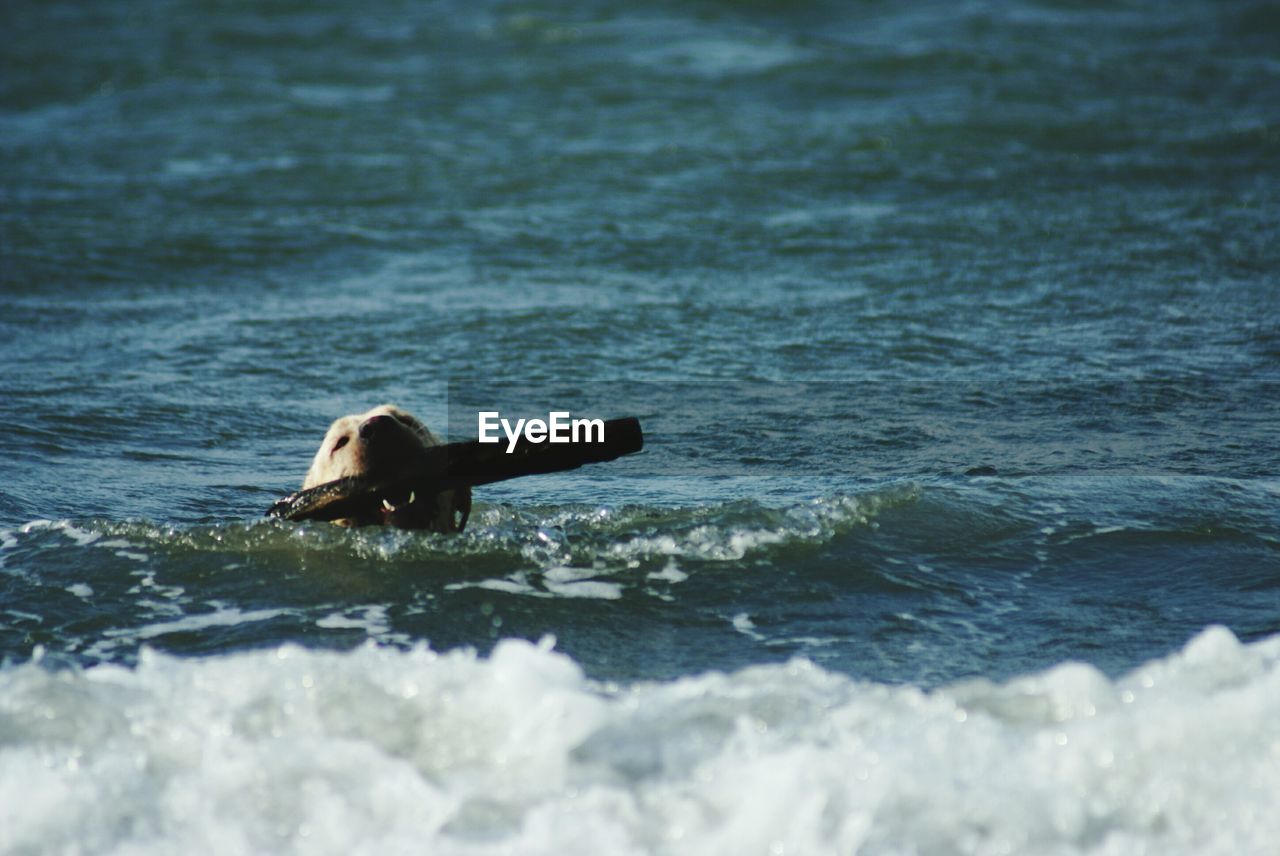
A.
pixel 389 442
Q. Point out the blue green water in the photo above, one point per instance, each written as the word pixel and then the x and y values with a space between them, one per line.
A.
pixel 954 329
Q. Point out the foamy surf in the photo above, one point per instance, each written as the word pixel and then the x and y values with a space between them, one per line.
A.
pixel 383 750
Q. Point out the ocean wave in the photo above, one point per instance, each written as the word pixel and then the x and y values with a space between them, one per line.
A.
pixel 97 590
pixel 544 537
pixel 386 750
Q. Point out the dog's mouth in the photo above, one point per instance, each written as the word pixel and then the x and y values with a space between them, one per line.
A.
pixel 397 512
pixel 388 508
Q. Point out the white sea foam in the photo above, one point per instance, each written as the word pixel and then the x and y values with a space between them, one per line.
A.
pixel 371 619
pixel 380 750
pixel 579 582
pixel 757 528
pixel 670 573
pixel 221 616
pixel 744 625
pixel 560 581
pixel 7 543
pixel 83 537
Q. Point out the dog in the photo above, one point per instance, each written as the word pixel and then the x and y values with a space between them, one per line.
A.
pixel 383 442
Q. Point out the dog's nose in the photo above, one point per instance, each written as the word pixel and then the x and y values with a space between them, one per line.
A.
pixel 373 426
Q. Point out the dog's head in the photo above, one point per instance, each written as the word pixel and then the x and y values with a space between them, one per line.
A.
pixel 369 444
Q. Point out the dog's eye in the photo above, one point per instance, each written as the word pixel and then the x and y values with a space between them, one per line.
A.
pixel 342 441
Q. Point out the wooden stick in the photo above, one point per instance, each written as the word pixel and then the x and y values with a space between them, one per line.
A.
pixel 455 465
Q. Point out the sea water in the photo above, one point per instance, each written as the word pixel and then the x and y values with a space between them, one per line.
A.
pixel 953 328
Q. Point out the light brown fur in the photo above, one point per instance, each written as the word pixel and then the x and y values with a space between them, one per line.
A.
pixel 387 446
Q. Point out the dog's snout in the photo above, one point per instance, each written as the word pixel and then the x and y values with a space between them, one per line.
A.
pixel 373 426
